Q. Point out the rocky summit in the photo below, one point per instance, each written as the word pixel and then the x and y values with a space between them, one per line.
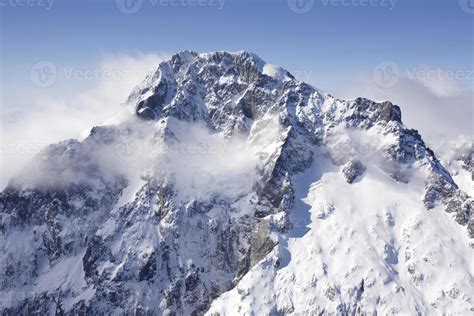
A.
pixel 234 188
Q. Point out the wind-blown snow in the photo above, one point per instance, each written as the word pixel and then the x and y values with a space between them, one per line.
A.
pixel 275 71
pixel 452 153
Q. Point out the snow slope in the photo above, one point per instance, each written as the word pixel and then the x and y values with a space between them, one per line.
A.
pixel 457 156
pixel 368 247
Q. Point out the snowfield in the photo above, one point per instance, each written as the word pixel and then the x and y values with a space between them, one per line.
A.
pixel 366 247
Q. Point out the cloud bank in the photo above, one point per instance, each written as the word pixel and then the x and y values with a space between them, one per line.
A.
pixel 33 117
pixel 433 101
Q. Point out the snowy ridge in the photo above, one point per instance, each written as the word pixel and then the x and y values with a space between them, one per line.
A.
pixel 235 188
pixel 457 156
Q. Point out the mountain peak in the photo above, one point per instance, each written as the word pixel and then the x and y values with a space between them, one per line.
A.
pixel 213 78
pixel 238 183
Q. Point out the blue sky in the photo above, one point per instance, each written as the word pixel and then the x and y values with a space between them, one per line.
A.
pixel 334 40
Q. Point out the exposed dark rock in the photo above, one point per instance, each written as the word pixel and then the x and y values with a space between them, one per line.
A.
pixel 352 170
pixel 149 269
pixel 95 252
pixel 260 245
pixel 146 113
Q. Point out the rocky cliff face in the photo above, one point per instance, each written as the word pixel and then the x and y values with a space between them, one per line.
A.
pixel 201 191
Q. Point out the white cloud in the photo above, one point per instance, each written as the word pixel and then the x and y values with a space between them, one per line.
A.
pixel 34 117
pixel 205 164
pixel 442 83
pixel 433 101
pixel 198 163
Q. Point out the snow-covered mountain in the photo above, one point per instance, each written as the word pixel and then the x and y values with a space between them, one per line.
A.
pixel 234 188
